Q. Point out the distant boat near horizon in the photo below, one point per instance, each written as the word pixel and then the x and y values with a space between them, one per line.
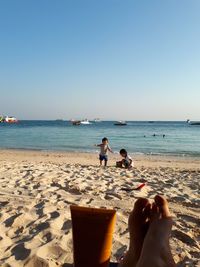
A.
pixel 85 122
pixel 193 122
pixel 80 122
pixel 75 122
pixel 120 123
pixel 8 119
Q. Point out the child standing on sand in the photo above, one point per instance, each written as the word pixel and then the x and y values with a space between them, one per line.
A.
pixel 126 161
pixel 104 148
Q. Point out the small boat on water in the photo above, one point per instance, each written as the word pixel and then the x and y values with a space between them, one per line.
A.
pixel 76 122
pixel 79 122
pixel 193 122
pixel 85 122
pixel 9 119
pixel 120 123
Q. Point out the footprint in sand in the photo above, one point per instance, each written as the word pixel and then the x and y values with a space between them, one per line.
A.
pixel 3 203
pixel 112 195
pixel 9 222
pixel 75 191
pixel 67 225
pixel 189 218
pixel 20 252
pixel 185 238
pixel 54 214
pixel 40 227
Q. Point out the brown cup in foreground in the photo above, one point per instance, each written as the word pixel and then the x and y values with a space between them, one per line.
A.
pixel 92 231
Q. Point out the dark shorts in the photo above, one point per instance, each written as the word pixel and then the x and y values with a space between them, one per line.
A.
pixel 126 163
pixel 103 157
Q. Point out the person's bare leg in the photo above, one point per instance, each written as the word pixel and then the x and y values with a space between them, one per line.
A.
pixel 156 251
pixel 138 226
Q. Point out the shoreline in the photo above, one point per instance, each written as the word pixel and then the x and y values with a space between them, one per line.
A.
pixel 91 158
pixel 195 156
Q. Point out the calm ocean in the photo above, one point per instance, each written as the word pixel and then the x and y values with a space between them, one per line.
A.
pixel 137 137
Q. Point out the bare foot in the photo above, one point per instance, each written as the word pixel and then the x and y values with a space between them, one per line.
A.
pixel 156 250
pixel 138 226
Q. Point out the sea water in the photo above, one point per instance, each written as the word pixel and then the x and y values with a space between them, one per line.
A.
pixel 139 137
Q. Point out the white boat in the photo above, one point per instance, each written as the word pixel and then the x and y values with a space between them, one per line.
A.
pixel 85 122
pixel 120 123
pixel 11 119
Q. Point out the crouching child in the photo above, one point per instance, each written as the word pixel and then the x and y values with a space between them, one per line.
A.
pixel 126 161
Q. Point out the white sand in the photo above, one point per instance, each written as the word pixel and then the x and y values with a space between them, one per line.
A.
pixel 36 189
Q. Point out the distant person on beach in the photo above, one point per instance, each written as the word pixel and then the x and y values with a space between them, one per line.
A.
pixel 104 148
pixel 126 161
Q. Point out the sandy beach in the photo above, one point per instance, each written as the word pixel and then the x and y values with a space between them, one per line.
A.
pixel 37 188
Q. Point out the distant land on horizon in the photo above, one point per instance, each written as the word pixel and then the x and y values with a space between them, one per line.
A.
pixel 105 120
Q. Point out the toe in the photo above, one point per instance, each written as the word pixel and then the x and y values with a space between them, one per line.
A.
pixel 138 215
pixel 140 204
pixel 162 205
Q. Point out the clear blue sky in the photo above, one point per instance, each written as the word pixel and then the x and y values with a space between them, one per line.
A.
pixel 114 59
